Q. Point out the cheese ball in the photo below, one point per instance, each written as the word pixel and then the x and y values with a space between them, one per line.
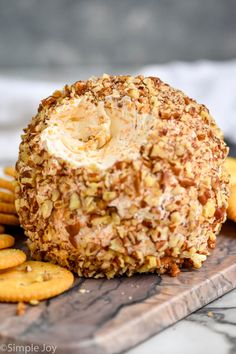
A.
pixel 121 175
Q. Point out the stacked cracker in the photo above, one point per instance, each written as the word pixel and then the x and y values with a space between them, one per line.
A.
pixel 8 257
pixel 22 281
pixel 8 214
pixel 231 167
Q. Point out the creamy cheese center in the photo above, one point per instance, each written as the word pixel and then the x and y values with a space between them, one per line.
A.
pixel 84 134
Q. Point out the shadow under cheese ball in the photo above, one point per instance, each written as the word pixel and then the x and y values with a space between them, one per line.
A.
pixel 121 174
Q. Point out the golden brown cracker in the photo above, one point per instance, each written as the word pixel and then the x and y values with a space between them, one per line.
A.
pixel 6 241
pixel 9 170
pixel 231 212
pixel 7 208
pixel 33 281
pixel 7 197
pixel 231 162
pixel 6 184
pixel 230 165
pixel 9 219
pixel 2 229
pixel 11 258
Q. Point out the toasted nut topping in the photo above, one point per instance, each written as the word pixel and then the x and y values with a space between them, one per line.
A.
pixel 150 181
pixel 108 196
pixel 103 220
pixel 117 245
pixel 175 218
pixel 209 209
pixel 157 151
pixel 46 208
pixel 133 93
pixel 55 195
pixel 74 202
pixel 152 262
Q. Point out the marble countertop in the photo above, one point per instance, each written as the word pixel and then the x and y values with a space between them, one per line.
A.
pixel 211 329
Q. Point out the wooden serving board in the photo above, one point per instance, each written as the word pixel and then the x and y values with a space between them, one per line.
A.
pixel 115 315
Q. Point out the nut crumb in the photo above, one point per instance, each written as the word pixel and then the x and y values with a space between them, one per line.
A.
pixel 28 268
pixel 210 314
pixel 82 291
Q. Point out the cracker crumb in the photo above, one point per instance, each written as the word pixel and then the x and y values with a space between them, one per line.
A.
pixel 20 310
pixel 34 302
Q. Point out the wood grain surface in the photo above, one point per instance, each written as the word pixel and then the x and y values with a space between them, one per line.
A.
pixel 112 316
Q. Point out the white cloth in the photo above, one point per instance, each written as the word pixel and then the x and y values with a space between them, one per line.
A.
pixel 211 83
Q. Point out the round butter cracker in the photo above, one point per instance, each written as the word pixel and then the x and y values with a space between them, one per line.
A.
pixel 231 212
pixel 2 229
pixel 6 184
pixel 6 241
pixel 11 258
pixel 7 208
pixel 9 219
pixel 9 171
pixel 230 165
pixel 33 281
pixel 7 197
